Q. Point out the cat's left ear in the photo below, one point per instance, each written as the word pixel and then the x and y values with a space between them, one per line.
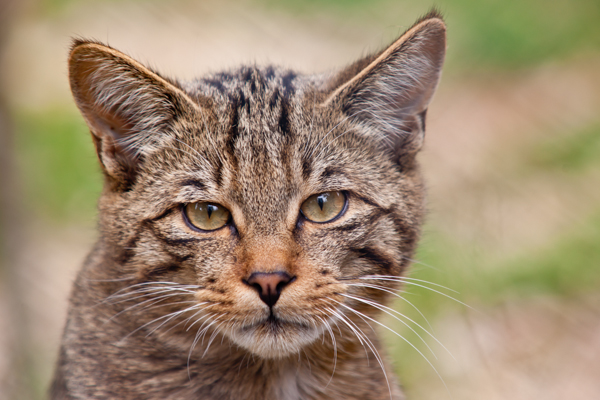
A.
pixel 389 92
pixel 129 108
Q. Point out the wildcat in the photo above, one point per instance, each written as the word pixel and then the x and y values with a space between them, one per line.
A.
pixel 253 225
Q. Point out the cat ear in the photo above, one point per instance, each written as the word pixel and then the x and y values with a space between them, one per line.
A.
pixel 389 92
pixel 127 107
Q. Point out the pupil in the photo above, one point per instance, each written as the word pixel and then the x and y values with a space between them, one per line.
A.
pixel 210 209
pixel 321 201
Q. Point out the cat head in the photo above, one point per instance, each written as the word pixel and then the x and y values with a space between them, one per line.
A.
pixel 260 199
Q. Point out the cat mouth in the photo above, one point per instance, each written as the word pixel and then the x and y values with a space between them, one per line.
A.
pixel 275 325
pixel 273 322
pixel 275 336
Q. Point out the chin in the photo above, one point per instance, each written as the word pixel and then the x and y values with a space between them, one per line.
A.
pixel 275 338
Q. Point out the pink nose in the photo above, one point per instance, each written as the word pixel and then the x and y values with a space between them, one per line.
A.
pixel 269 285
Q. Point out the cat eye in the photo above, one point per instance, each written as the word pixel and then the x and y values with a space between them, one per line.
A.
pixel 324 207
pixel 206 216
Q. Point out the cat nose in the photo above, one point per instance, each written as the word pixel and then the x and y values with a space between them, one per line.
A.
pixel 269 285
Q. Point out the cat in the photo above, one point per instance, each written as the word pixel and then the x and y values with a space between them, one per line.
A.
pixel 253 225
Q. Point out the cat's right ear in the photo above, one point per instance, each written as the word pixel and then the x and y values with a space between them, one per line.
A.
pixel 128 108
pixel 388 93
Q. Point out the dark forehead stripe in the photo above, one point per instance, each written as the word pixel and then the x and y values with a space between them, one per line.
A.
pixel 234 125
pixel 283 121
pixel 287 81
pixel 216 83
pixel 257 108
pixel 252 90
pixel 261 82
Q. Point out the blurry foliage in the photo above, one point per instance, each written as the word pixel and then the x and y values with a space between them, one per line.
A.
pixel 496 33
pixel 484 34
pixel 567 267
pixel 571 153
pixel 52 7
pixel 59 169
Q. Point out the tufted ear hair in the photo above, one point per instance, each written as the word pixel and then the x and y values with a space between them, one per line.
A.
pixel 128 108
pixel 389 92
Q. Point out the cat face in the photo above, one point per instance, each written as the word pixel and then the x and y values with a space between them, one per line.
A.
pixel 258 204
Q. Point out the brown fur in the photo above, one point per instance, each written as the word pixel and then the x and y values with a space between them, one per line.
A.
pixel 161 311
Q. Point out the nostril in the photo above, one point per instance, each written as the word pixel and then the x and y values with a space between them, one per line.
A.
pixel 258 288
pixel 269 285
pixel 284 283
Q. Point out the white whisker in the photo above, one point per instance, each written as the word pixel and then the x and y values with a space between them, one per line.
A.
pixel 212 338
pixel 397 334
pixel 384 289
pixel 152 302
pixel 422 286
pixel 328 327
pixel 421 263
pixel 196 339
pixel 405 279
pixel 173 315
pixel 367 341
pixel 390 311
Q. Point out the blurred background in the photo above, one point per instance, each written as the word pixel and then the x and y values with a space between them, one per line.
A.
pixel 512 160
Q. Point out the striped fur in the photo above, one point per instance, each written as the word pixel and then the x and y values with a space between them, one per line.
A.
pixel 160 311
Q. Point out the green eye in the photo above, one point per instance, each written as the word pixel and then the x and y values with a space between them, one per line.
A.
pixel 207 216
pixel 324 207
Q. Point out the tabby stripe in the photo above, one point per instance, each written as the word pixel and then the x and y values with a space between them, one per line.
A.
pixel 376 257
pixel 330 171
pixel 218 170
pixel 287 82
pixel 348 227
pixel 128 250
pixel 401 225
pixel 243 102
pixel 189 182
pixel 372 203
pixel 234 131
pixel 215 83
pixel 163 268
pixel 306 169
pixel 269 73
pixel 160 216
pixel 160 270
pixel 170 241
pixel 274 98
pixel 284 123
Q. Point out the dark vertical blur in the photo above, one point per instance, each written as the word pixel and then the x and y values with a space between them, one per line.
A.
pixel 14 382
